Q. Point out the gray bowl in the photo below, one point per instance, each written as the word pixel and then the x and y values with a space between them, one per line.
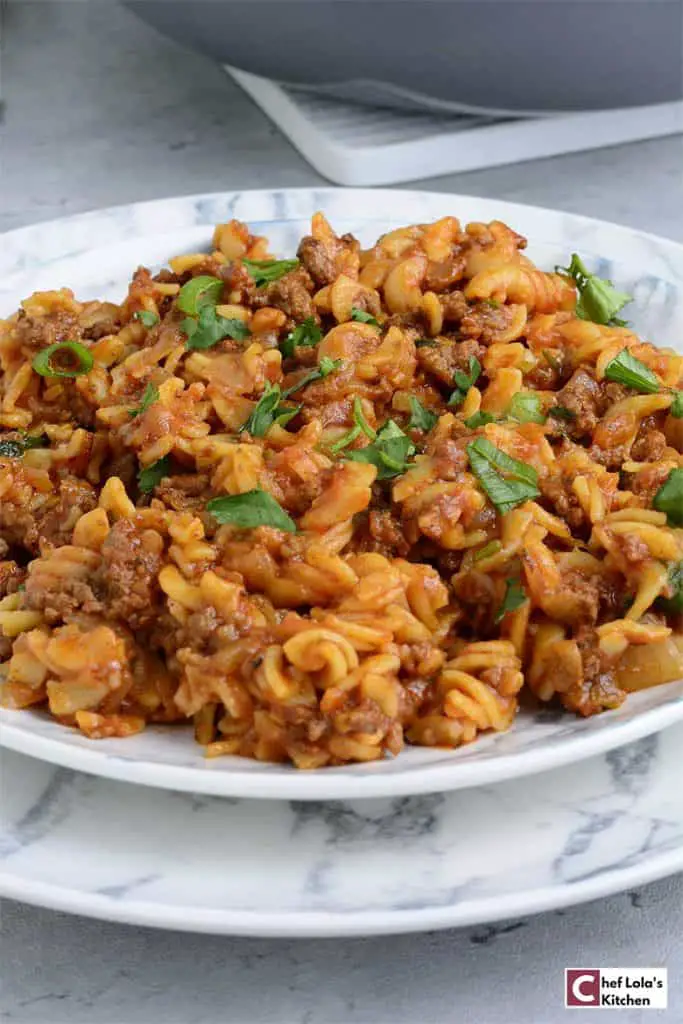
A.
pixel 514 56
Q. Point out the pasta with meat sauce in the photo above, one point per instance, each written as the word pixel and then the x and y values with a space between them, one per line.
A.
pixel 328 505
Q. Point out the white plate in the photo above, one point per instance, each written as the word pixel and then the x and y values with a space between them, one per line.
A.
pixel 91 846
pixel 95 253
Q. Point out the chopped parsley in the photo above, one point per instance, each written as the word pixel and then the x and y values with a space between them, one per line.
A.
pixel 151 476
pixel 479 419
pixel 676 408
pixel 598 300
pixel 146 317
pixel 250 510
pixel 389 452
pixel 305 335
pixel 269 410
pixel 561 412
pixel 324 369
pixel 264 272
pixel 420 417
pixel 464 381
pixel 669 497
pixel 14 447
pixel 507 481
pixel 514 598
pixel 362 317
pixel 632 373
pixel 210 328
pixel 673 605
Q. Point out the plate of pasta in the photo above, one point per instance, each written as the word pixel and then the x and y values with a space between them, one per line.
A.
pixel 338 493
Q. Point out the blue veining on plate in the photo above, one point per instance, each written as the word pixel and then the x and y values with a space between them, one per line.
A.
pixel 130 853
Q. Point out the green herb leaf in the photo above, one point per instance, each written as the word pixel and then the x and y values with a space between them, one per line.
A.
pixel 599 300
pixel 146 317
pixel 305 335
pixel 561 412
pixel 464 381
pixel 514 598
pixel 151 476
pixel 63 359
pixel 506 481
pixel 362 317
pixel 324 369
pixel 149 396
pixel 627 370
pixel 421 418
pixel 269 410
pixel 525 407
pixel 492 548
pixel 551 359
pixel 673 605
pixel 479 419
pixel 493 303
pixel 210 328
pixel 426 342
pixel 676 407
pixel 14 447
pixel 669 497
pixel 265 271
pixel 250 510
pixel 198 293
pixel 389 451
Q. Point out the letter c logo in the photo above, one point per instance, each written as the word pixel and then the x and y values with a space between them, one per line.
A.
pixel 577 985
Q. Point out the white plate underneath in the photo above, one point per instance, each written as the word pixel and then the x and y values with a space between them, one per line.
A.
pixel 91 846
pixel 95 253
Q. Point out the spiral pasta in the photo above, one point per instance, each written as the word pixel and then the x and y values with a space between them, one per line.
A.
pixel 325 506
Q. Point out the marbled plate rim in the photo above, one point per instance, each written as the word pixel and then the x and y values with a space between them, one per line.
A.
pixel 323 924
pixel 40 244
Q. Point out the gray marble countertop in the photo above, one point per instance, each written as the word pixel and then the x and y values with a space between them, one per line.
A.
pixel 101 110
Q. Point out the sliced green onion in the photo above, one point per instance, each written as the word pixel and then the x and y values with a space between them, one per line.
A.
pixel 526 407
pixel 63 359
pixel 492 548
pixel 199 292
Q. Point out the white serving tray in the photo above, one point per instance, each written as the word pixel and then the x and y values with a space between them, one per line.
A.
pixel 358 144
